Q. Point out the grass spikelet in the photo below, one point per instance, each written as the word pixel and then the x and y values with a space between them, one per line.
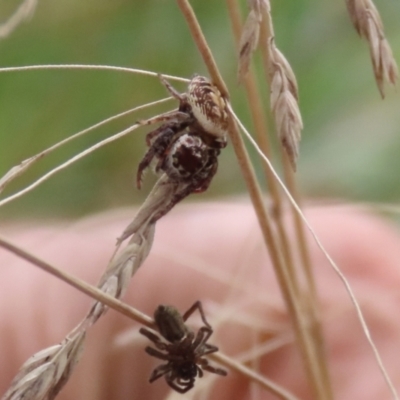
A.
pixel 283 84
pixel 44 374
pixel 284 103
pixel 368 23
pixel 248 42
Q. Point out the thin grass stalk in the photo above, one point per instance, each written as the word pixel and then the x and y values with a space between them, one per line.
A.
pixel 309 301
pixel 82 286
pixel 92 67
pixel 139 317
pixel 294 308
pixel 335 267
pixel 261 130
pixel 19 169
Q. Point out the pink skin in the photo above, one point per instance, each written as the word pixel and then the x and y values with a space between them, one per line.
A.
pixel 37 310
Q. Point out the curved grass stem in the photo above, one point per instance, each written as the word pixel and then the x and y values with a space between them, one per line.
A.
pixel 139 317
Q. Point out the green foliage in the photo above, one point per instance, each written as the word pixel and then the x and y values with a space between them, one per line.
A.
pixel 351 138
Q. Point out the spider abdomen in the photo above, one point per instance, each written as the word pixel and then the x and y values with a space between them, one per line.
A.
pixel 188 156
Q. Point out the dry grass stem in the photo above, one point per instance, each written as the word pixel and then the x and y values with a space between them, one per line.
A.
pixel 78 284
pixel 281 272
pixel 68 163
pixel 57 362
pixel 201 43
pixel 19 169
pixel 367 21
pixel 260 127
pixel 272 387
pixel 335 267
pixel 25 11
pixel 261 130
pixel 73 160
pixel 44 378
pixel 92 67
pixel 47 379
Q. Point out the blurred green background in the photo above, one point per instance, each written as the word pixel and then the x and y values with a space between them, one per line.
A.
pixel 351 141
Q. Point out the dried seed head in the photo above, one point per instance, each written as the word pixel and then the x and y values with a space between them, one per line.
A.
pixel 367 21
pixel 250 35
pixel 284 103
pixel 208 106
pixel 248 42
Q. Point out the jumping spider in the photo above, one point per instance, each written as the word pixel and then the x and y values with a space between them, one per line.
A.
pixel 184 351
pixel 186 146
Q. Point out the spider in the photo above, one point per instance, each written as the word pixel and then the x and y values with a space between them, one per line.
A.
pixel 186 146
pixel 184 351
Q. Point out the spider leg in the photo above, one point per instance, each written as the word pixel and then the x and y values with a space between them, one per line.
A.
pixel 202 336
pixel 164 136
pixel 167 117
pixel 159 372
pixel 157 354
pixel 154 338
pixel 203 184
pixel 196 306
pixel 171 89
pixel 207 367
pixel 209 348
pixel 185 386
pixel 199 371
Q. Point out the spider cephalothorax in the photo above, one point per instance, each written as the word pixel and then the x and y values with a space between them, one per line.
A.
pixel 184 350
pixel 187 144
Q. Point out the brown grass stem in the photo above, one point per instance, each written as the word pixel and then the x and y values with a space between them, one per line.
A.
pixel 277 390
pixel 287 289
pixel 309 300
pixel 79 284
pixel 334 266
pixel 202 45
pixel 138 316
pixel 261 130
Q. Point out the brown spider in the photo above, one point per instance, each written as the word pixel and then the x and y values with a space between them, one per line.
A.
pixel 184 351
pixel 186 146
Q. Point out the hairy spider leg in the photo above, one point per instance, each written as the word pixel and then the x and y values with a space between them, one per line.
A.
pixel 185 388
pixel 154 338
pixel 162 356
pixel 164 135
pixel 196 306
pixel 203 334
pixel 179 96
pixel 167 117
pixel 159 372
pixel 207 367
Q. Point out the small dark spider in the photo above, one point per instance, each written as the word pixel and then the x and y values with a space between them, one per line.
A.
pixel 185 351
pixel 186 146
